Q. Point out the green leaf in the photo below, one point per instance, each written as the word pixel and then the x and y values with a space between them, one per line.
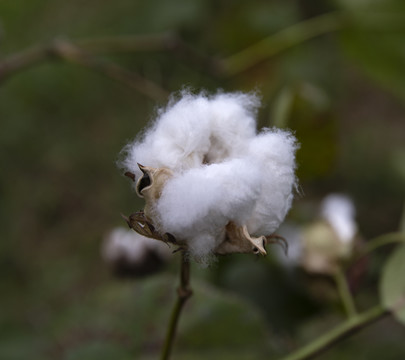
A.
pixel 392 285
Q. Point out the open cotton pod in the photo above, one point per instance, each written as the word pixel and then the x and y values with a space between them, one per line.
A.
pixel 212 185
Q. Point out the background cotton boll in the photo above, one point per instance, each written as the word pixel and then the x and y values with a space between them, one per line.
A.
pixel 339 211
pixel 133 255
pixel 275 151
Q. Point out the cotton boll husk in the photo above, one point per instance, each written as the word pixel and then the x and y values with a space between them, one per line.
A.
pixel 275 150
pixel 195 206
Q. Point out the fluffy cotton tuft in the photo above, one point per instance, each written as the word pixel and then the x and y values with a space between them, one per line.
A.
pixel 339 211
pixel 196 205
pixel 223 170
pixel 195 129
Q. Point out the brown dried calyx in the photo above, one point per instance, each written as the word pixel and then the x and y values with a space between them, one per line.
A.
pixel 139 222
pixel 236 238
pixel 150 187
pixel 239 241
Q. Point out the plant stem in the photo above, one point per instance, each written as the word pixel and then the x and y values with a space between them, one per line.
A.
pixel 340 332
pixel 383 240
pixel 183 293
pixel 344 293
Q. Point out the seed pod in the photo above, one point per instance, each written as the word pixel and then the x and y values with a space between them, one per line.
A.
pixel 238 240
pixel 150 187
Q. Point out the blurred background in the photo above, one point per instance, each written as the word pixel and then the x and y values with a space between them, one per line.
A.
pixel 93 76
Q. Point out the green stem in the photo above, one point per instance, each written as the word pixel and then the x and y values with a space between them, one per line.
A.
pixel 383 240
pixel 340 332
pixel 183 292
pixel 379 241
pixel 281 41
pixel 344 293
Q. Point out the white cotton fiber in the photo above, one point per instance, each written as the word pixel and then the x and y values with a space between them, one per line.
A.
pixel 275 151
pixel 223 170
pixel 339 211
pixel 196 205
pixel 194 130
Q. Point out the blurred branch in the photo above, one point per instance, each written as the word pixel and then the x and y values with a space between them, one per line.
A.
pixel 66 51
pixel 183 292
pixel 344 293
pixel 168 42
pixel 74 54
pixel 23 60
pixel 402 221
pixel 104 45
pixel 339 333
pixel 128 43
pixel 286 38
pixel 83 52
pixel 379 241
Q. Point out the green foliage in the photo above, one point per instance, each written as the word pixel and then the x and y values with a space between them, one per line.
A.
pixel 117 320
pixel 392 287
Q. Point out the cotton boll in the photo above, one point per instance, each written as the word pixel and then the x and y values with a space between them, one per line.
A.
pixel 275 151
pixel 197 205
pixel 339 211
pixel 133 255
pixel 333 238
pixel 230 187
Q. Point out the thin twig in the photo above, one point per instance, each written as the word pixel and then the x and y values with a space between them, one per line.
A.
pixel 183 292
pixel 23 60
pixel 344 293
pixel 71 53
pixel 103 45
pixel 167 42
pixel 339 333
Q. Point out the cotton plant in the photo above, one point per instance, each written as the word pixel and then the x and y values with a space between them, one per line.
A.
pixel 212 184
